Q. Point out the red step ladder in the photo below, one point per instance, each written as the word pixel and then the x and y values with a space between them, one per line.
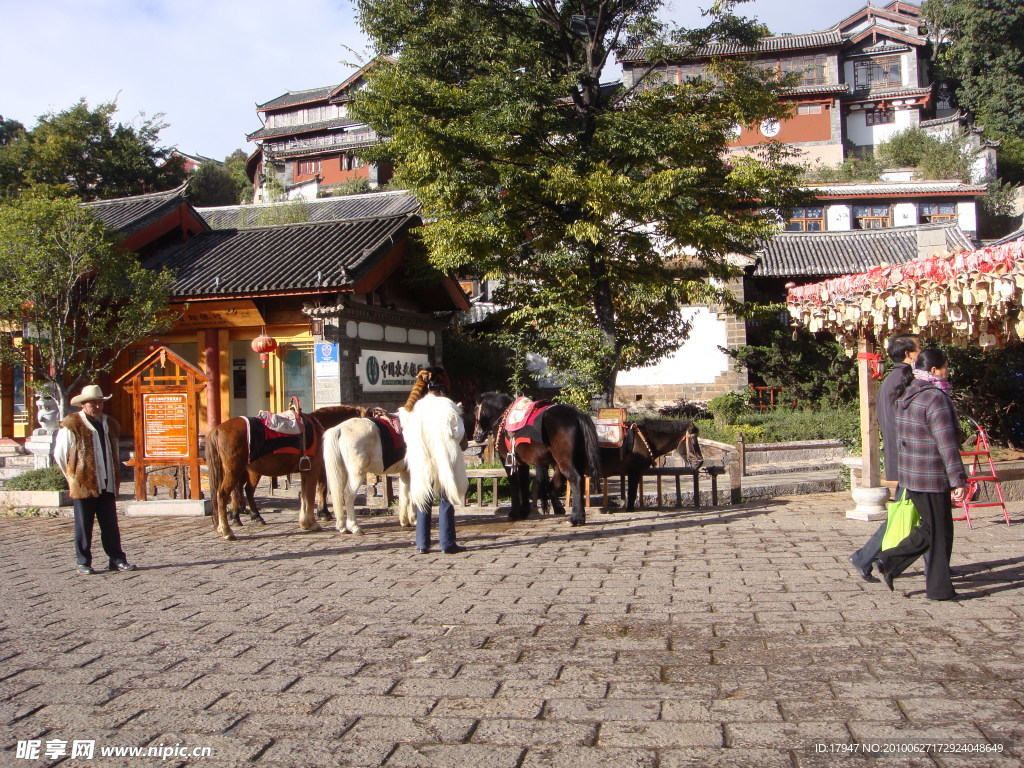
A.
pixel 975 470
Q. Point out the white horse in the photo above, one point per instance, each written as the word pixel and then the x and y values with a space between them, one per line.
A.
pixel 433 434
pixel 351 451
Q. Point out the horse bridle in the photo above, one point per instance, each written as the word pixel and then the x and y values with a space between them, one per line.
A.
pixel 685 440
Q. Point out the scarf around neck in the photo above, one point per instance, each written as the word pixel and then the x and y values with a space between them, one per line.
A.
pixel 930 378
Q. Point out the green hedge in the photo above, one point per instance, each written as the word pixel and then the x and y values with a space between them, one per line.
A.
pixel 783 425
pixel 49 479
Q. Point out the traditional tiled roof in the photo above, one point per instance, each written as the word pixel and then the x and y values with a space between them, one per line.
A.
pixel 878 94
pixel 956 117
pixel 1013 237
pixel 294 98
pixel 130 214
pixel 285 259
pixel 886 46
pixel 903 189
pixel 825 88
pixel 322 209
pixel 794 254
pixel 288 130
pixel 771 43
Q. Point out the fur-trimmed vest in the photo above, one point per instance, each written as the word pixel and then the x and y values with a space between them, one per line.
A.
pixel 81 470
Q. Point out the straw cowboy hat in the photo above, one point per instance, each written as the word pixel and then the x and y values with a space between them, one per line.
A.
pixel 89 393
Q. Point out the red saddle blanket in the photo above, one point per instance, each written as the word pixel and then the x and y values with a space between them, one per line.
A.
pixel 263 440
pixel 523 421
pixel 392 443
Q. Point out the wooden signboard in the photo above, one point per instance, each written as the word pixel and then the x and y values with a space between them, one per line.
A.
pixel 165 401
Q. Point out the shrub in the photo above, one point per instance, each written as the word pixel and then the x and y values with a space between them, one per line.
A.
pixel 783 426
pixel 49 479
pixel 726 408
pixel 685 409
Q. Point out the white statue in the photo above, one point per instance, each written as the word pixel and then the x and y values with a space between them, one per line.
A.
pixel 47 412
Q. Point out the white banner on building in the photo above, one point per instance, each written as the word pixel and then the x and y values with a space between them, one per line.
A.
pixel 381 371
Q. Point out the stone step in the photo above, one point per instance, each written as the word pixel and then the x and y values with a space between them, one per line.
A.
pixel 785 467
pixel 18 462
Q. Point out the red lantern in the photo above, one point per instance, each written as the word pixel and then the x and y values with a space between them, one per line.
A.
pixel 264 345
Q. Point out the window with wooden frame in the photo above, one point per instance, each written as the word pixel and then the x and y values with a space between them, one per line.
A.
pixel 931 213
pixel 883 116
pixel 307 167
pixel 806 219
pixel 876 216
pixel 808 109
pixel 877 73
pixel 813 70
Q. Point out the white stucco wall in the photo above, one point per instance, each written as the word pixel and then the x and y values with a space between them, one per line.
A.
pixel 698 361
pixel 904 214
pixel 861 134
pixel 967 215
pixel 838 218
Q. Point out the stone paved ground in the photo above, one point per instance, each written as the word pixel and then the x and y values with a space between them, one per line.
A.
pixel 687 638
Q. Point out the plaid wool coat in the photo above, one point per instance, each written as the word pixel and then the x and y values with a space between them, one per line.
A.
pixel 929 454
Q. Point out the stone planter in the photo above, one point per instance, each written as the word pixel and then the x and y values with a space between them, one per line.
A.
pixel 23 499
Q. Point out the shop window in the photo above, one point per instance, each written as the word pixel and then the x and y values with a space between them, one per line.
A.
pixel 879 116
pixel 872 216
pixel 931 213
pixel 807 219
pixel 877 73
pixel 21 407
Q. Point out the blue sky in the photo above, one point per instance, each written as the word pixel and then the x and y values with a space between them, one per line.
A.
pixel 205 64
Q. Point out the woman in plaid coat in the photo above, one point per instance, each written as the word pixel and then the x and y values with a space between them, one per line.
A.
pixel 929 467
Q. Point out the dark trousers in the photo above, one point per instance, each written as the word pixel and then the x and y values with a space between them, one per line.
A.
pixel 103 509
pixel 935 536
pixel 872 548
pixel 445 525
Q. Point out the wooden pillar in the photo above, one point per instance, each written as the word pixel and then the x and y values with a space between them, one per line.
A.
pixel 211 353
pixel 868 390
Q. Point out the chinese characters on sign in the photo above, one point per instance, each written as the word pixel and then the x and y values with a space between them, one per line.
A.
pixel 165 425
pixel 381 371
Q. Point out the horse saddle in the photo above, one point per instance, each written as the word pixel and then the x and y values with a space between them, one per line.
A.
pixel 523 421
pixel 611 427
pixel 392 443
pixel 264 440
pixel 277 424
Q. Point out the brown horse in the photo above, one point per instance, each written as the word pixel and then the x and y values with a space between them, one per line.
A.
pixel 568 441
pixel 645 442
pixel 227 458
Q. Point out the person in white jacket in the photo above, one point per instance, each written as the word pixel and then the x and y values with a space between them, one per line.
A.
pixel 86 452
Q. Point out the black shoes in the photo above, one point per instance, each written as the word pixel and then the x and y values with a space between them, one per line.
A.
pixel 121 565
pixel 886 576
pixel 453 549
pixel 87 570
pixel 865 573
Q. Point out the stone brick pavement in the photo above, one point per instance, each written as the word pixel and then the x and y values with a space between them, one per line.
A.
pixel 737 637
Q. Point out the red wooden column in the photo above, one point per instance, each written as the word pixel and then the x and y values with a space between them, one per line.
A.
pixel 212 356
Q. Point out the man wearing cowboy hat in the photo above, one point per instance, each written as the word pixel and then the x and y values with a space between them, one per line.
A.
pixel 86 451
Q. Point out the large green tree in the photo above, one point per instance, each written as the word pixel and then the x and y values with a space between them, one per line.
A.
pixel 603 210
pixel 77 299
pixel 221 183
pixel 84 152
pixel 982 53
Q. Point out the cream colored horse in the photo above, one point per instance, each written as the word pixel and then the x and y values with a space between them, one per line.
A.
pixel 351 451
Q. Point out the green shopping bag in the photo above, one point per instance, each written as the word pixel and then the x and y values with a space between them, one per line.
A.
pixel 903 518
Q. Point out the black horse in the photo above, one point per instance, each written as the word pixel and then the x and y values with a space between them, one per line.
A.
pixel 644 443
pixel 566 439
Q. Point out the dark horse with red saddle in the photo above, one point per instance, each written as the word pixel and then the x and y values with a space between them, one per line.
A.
pixel 540 434
pixel 240 450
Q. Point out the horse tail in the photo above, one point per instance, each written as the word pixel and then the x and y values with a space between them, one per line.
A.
pixel 214 468
pixel 591 454
pixel 335 469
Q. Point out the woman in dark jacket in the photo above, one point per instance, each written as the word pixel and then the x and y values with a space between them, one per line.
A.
pixel 929 467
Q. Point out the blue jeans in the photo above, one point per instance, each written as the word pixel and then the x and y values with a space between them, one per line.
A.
pixel 445 525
